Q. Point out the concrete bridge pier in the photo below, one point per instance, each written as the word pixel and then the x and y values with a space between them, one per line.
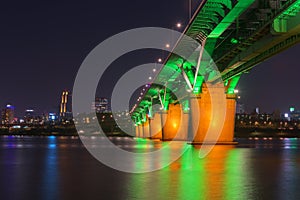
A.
pixel 140 131
pixel 207 122
pixel 156 125
pixel 176 124
pixel 137 131
pixel 146 129
pixel 169 125
pixel 210 118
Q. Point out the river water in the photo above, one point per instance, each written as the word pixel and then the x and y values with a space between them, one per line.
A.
pixel 61 168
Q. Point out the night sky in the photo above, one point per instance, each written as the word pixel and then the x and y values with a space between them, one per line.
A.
pixel 44 43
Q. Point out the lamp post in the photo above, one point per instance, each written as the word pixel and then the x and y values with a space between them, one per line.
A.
pixel 155 66
pixel 177 26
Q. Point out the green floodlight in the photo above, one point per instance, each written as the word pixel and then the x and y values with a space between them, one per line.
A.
pixel 234 41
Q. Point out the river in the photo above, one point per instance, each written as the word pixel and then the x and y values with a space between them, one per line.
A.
pixel 61 168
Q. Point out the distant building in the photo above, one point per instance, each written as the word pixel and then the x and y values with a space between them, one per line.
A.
pixel 51 118
pixel 100 105
pixel 276 115
pixel 65 110
pixel 240 108
pixel 254 119
pixel 29 116
pixel 294 115
pixel 257 110
pixel 8 114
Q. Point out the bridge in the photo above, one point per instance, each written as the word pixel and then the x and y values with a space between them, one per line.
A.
pixel 236 35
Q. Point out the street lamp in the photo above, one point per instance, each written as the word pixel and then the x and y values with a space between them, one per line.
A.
pixel 177 26
pixel 159 60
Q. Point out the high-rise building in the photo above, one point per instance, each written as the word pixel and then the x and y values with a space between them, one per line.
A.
pixel 29 116
pixel 100 105
pixel 65 110
pixel 294 114
pixel 8 114
pixel 51 118
pixel 257 110
pixel 240 108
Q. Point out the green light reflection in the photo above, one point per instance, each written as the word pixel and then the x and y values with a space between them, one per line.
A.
pixel 223 174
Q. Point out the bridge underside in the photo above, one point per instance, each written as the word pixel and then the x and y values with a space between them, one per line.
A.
pixel 233 36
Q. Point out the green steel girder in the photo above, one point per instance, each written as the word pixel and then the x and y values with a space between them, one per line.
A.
pixel 210 45
pixel 166 100
pixel 228 50
pixel 291 11
pixel 134 119
pixel 288 19
pixel 218 19
pixel 138 119
pixel 280 46
pixel 198 85
pixel 232 83
pixel 276 45
pixel 188 69
pixel 213 18
pixel 234 13
pixel 217 11
pixel 226 3
pixel 210 8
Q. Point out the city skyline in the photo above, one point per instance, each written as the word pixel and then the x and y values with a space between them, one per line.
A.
pixel 64 108
pixel 69 68
pixel 41 55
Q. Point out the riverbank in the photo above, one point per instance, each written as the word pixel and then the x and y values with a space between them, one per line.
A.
pixel 71 131
pixel 53 131
pixel 265 132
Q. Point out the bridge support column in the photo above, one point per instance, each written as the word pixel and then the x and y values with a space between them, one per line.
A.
pixel 137 134
pixel 156 126
pixel 146 129
pixel 176 123
pixel 141 131
pixel 204 118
